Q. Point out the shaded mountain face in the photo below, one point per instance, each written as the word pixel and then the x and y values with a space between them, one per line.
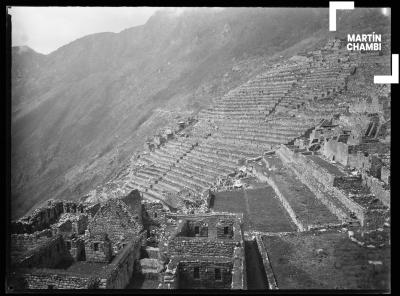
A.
pixel 81 112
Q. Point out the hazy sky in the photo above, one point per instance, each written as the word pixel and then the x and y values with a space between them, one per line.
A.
pixel 45 29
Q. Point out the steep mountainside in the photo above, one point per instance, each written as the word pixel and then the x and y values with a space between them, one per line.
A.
pixel 79 113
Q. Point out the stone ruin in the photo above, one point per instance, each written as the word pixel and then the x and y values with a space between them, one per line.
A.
pixel 118 243
pixel 68 245
pixel 205 251
pixel 168 134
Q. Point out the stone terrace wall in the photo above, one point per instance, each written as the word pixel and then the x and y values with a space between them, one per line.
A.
pixel 315 170
pixel 347 183
pixel 284 201
pixel 320 182
pixel 266 262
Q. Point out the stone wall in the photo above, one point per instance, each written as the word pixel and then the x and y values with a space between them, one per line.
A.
pixel 267 264
pixel 225 229
pixel 284 201
pixel 377 188
pixel 80 224
pixel 54 279
pixel 73 207
pixel 222 247
pixel 196 228
pixel 30 241
pixel 206 275
pixel 119 272
pixel 92 209
pixel 115 219
pixel 76 248
pixel 375 167
pixel 366 163
pixel 115 275
pixel 336 151
pixel 288 156
pixel 359 161
pixel 239 279
pixel 348 183
pixel 153 214
pixel 385 175
pixel 374 147
pixel 214 222
pixel 134 202
pixel 47 255
pixel 98 249
pixel 64 227
pixel 49 214
pixel 363 106
pixel 171 275
pixel 40 219
pixel 201 247
pixel 154 220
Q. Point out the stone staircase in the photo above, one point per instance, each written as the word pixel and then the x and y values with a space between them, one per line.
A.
pixel 148 270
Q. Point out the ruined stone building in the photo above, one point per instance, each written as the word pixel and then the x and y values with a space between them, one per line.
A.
pixel 88 246
pixel 205 251
pixel 105 249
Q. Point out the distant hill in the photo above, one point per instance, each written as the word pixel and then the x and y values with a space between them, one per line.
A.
pixel 80 112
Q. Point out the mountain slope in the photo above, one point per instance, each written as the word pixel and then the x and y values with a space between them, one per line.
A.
pixel 79 113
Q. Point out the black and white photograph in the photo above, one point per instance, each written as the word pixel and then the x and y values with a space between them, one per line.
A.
pixel 199 148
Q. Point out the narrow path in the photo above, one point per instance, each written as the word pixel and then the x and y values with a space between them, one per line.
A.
pixel 246 201
pixel 256 276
